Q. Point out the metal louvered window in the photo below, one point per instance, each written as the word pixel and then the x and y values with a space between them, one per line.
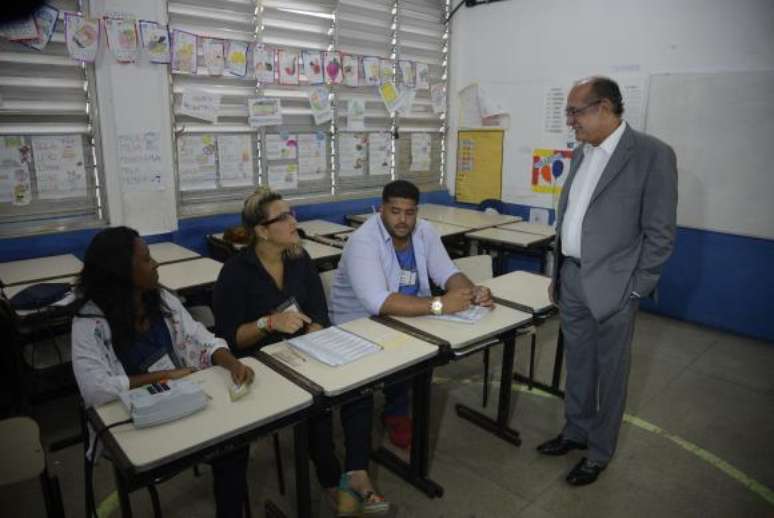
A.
pixel 364 28
pixel 224 20
pixel 47 97
pixel 293 26
pixel 382 29
pixel 422 39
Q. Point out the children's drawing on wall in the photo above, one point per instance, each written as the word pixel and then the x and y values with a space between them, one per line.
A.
pixel 550 168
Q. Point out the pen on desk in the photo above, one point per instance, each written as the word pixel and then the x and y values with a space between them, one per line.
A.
pixel 296 354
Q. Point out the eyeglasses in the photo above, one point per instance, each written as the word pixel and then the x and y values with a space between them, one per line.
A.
pixel 574 112
pixel 282 216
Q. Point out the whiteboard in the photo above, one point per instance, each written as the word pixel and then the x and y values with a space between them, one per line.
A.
pixel 721 126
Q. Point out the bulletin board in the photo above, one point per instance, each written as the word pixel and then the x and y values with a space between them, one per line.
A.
pixel 479 165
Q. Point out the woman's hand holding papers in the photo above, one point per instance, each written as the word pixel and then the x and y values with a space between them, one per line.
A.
pixel 288 322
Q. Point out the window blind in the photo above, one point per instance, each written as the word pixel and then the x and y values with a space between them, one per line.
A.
pixel 48 130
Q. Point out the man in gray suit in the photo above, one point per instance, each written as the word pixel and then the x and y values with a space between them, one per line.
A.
pixel 615 229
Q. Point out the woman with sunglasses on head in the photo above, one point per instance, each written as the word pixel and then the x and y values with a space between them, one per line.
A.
pixel 269 292
pixel 129 332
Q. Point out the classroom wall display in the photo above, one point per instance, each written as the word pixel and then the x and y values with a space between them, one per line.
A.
pixel 196 166
pixel 60 170
pixel 353 154
pixel 184 52
pixel 82 37
pixel 200 104
pixel 236 58
pixel 15 158
pixel 263 62
pixel 235 160
pixel 213 52
pixel 550 168
pixel 139 159
pixel 155 41
pixel 45 19
pixel 121 38
pixel 312 156
pixel 479 165
pixel 181 50
pixel 313 67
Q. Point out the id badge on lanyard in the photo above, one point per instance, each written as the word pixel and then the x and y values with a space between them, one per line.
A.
pixel 408 278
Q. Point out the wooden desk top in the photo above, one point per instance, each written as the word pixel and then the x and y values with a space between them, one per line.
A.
pixel 460 335
pixel 507 237
pixel 168 252
pixel 523 288
pixel 29 270
pixel 530 228
pixel 318 251
pixel 399 350
pixel 473 219
pixel 271 397
pixel 320 227
pixel 188 274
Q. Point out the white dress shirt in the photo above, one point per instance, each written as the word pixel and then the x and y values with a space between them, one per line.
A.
pixel 595 160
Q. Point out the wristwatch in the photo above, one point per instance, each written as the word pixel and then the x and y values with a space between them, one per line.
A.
pixel 263 324
pixel 436 307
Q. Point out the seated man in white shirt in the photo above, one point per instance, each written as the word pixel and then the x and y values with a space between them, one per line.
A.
pixel 386 268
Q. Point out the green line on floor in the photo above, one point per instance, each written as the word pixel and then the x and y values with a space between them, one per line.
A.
pixel 108 505
pixel 753 485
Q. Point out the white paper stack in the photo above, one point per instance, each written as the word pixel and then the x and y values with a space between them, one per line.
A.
pixel 334 346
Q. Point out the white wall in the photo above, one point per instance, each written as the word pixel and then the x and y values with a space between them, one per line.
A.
pixel 134 99
pixel 515 49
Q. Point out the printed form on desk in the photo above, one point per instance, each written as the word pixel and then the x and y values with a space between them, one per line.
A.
pixel 334 346
pixel 467 316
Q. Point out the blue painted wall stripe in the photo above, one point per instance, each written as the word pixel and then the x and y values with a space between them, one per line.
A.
pixel 720 280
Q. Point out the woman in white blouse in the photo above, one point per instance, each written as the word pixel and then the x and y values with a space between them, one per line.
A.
pixel 129 332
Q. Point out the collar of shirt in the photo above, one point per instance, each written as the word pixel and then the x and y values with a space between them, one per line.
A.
pixel 610 143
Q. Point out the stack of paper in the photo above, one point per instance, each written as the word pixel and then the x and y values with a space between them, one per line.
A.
pixel 468 316
pixel 334 346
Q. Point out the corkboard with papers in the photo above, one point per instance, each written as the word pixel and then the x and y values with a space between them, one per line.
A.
pixel 479 165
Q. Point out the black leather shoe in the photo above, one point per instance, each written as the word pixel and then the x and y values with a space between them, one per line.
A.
pixel 560 446
pixel 585 472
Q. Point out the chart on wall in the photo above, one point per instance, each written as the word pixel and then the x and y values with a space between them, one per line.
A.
pixel 479 165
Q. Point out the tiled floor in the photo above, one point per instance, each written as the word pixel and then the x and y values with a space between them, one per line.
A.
pixel 702 388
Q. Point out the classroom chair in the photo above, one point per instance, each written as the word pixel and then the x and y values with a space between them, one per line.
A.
pixel 24 458
pixel 219 249
pixel 327 282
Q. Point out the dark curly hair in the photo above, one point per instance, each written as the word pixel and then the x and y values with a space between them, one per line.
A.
pixel 106 280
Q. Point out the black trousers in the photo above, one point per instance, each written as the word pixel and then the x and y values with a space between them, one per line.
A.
pixel 356 421
pixel 229 480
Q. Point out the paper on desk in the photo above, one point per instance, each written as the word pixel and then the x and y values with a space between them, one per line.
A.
pixel 468 316
pixel 334 346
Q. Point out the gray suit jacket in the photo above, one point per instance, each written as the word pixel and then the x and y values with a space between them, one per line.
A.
pixel 628 231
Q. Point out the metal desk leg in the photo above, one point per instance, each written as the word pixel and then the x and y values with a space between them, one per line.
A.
pixel 416 472
pixel 122 487
pixel 300 446
pixel 556 377
pixel 499 427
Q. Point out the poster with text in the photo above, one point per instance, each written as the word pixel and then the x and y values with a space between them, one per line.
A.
pixel 60 171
